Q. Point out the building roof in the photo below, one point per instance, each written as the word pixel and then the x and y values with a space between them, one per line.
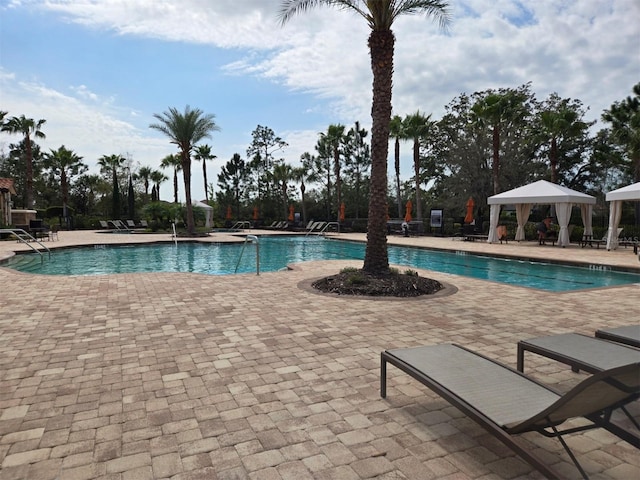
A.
pixel 7 184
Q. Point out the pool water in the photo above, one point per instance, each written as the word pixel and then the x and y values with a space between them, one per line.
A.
pixel 277 252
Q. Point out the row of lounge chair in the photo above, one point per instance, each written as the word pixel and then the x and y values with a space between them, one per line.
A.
pixel 507 403
pixel 120 225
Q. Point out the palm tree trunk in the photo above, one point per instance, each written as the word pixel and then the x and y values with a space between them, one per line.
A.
pixel 29 172
pixel 554 160
pixel 175 185
pixel 496 160
pixel 376 258
pixel 204 174
pixel 186 175
pixel 397 165
pixel 416 167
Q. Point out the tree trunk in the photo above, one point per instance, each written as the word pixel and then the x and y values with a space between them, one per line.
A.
pixel 29 172
pixel 496 159
pixel 204 174
pixel 416 167
pixel 186 175
pixel 397 165
pixel 553 155
pixel 376 258
pixel 336 163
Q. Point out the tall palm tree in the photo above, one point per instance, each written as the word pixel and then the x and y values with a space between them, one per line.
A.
pixel 334 138
pixel 416 127
pixel 380 15
pixel 203 153
pixel 26 127
pixel 109 165
pixel 557 124
pixel 493 111
pixel 185 129
pixel 624 118
pixel 282 174
pixel 396 130
pixel 173 161
pixel 65 164
pixel 144 174
pixel 157 177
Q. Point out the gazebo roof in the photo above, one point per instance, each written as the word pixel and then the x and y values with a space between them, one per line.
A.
pixel 630 192
pixel 541 192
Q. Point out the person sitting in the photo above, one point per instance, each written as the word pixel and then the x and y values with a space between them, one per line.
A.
pixel 543 229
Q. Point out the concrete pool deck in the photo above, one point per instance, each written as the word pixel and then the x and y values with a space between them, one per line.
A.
pixel 188 376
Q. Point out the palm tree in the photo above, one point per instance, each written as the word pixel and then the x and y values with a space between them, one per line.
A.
pixel 26 127
pixel 109 165
pixel 203 153
pixel 380 16
pixel 157 177
pixel 282 174
pixel 333 139
pixel 493 111
pixel 304 172
pixel 557 124
pixel 185 130
pixel 144 173
pixel 417 127
pixel 173 161
pixel 64 164
pixel 624 118
pixel 396 130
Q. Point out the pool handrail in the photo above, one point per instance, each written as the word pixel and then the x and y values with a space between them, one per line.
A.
pixel 255 240
pixel 20 234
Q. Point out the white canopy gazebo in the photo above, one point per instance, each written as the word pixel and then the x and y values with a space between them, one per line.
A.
pixel 541 192
pixel 208 211
pixel 616 197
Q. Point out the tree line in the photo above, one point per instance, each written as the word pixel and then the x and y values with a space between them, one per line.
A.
pixel 485 143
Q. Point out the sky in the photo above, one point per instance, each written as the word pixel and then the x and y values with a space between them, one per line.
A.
pixel 98 70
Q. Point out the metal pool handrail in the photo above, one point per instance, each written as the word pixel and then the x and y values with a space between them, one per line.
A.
pixel 255 240
pixel 19 233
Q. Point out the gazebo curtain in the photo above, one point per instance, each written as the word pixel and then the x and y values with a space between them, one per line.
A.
pixel 615 213
pixel 523 210
pixel 586 212
pixel 494 218
pixel 563 213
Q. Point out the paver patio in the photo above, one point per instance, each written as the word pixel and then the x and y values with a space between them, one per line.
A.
pixel 188 376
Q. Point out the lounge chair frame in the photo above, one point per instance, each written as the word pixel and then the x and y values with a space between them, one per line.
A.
pixel 628 335
pixel 540 423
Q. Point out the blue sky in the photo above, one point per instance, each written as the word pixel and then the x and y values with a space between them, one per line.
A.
pixel 97 70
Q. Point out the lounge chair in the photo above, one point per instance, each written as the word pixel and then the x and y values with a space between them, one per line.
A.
pixel 104 224
pixel 629 335
pixel 580 352
pixel 507 403
pixel 119 224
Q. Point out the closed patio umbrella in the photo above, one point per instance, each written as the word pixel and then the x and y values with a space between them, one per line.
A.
pixel 407 215
pixel 470 204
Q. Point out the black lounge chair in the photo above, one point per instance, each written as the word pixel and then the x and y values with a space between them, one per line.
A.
pixel 629 335
pixel 506 402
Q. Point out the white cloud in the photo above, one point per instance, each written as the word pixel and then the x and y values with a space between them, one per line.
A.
pixel 585 50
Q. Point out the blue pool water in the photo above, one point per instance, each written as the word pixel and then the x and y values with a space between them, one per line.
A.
pixel 277 252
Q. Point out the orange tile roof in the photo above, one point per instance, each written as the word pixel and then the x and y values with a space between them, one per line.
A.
pixel 7 184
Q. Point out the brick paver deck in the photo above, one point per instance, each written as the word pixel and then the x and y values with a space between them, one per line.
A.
pixel 188 376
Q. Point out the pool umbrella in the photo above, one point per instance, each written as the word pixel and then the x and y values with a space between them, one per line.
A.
pixel 255 213
pixel 469 217
pixel 341 216
pixel 292 210
pixel 229 213
pixel 407 215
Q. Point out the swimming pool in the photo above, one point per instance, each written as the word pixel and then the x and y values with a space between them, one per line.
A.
pixel 277 252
